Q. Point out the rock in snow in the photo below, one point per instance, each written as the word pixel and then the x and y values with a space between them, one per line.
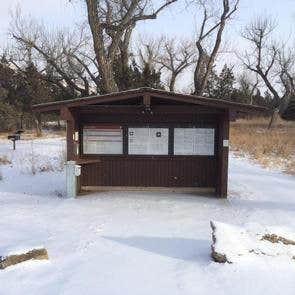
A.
pixel 216 256
pixel 18 258
pixel 233 243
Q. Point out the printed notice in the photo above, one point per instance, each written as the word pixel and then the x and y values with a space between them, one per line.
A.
pixel 148 141
pixel 194 141
pixel 105 139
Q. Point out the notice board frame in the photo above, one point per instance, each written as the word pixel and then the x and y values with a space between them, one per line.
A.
pixel 170 127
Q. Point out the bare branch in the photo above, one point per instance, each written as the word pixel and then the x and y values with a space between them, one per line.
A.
pixel 263 57
pixel 207 57
pixel 111 23
pixel 175 58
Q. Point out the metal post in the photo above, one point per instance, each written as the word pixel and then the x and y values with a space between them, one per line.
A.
pixel 13 144
pixel 71 180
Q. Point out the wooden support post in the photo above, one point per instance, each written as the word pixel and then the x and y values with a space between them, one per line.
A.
pixel 67 115
pixel 147 101
pixel 73 181
pixel 223 150
pixel 70 142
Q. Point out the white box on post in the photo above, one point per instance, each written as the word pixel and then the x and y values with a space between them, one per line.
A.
pixel 77 170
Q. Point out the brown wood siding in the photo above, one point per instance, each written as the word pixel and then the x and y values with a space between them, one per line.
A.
pixel 151 171
pixel 200 119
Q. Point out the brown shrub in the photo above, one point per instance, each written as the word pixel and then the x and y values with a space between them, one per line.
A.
pixel 268 147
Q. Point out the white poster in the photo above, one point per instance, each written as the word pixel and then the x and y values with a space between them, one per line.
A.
pixel 194 141
pixel 148 141
pixel 103 139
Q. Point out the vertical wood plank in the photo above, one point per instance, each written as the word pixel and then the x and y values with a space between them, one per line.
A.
pixel 222 181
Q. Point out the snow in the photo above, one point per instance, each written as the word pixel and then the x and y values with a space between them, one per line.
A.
pixel 245 243
pixel 29 159
pixel 136 242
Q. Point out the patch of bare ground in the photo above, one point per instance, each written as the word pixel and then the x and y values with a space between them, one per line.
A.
pixel 4 160
pixel 273 147
pixel 273 238
pixel 35 254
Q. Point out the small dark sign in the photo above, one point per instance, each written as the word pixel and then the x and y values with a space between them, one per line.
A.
pixel 14 137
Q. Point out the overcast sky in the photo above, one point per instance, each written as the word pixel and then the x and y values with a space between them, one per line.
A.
pixel 176 21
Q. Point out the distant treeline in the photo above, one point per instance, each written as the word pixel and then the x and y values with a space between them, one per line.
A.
pixel 99 56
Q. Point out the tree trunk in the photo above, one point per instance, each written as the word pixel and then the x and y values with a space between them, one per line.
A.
pixel 108 79
pixel 198 70
pixel 38 125
pixel 273 118
pixel 105 63
pixel 172 83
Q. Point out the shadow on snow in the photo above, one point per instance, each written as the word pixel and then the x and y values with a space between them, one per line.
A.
pixel 177 248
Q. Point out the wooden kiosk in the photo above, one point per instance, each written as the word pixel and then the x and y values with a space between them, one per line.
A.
pixel 148 138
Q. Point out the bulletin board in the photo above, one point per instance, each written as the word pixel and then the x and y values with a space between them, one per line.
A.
pixel 102 139
pixel 148 141
pixel 194 141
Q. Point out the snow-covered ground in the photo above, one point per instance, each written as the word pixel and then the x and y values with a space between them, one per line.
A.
pixel 135 242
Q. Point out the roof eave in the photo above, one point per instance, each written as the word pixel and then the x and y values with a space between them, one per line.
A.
pixel 210 102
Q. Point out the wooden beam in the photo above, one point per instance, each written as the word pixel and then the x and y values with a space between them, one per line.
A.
pixel 66 114
pixel 147 100
pixel 204 101
pixel 55 106
pixel 138 109
pixel 146 92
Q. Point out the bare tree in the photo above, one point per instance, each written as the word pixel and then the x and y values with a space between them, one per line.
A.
pixel 81 62
pixel 212 27
pixel 286 60
pixel 111 23
pixel 56 54
pixel 262 59
pixel 270 61
pixel 175 58
pixel 248 85
pixel 287 76
pixel 149 52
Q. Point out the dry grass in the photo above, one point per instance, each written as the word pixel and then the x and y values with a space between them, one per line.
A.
pixel 274 147
pixel 4 160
